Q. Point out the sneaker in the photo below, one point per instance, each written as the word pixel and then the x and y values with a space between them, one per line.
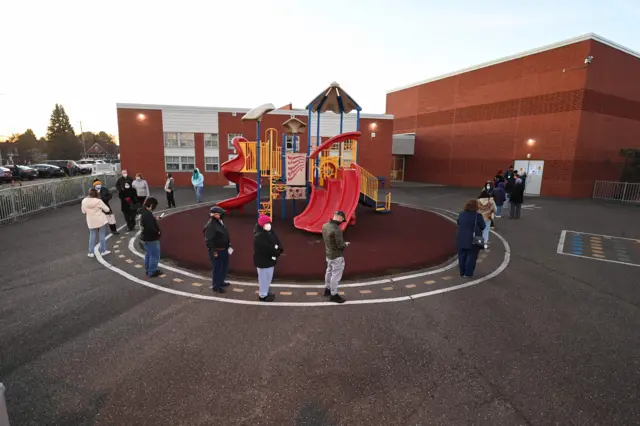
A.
pixel 105 253
pixel 337 299
pixel 155 274
pixel 115 233
pixel 219 290
pixel 486 246
pixel 327 292
pixel 91 255
pixel 269 298
pixel 467 276
pixel 226 284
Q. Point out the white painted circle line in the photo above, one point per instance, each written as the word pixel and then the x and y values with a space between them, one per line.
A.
pixel 502 267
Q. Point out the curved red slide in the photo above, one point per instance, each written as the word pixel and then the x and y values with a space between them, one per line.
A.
pixel 231 171
pixel 342 193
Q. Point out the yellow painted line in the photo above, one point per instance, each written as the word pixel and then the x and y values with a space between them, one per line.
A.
pixel 137 265
pixel 121 256
pixel 447 278
pixel 312 293
pixel 387 288
pixel 177 280
pixel 599 256
pixel 597 251
pixel 430 282
pixel 116 246
pixel 116 251
pixel 365 291
pixel 238 290
pixel 285 293
pixel 196 284
pixel 129 261
pixel 163 276
pixel 410 285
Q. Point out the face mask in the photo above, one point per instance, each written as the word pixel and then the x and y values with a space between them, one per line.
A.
pixel 267 227
pixel 98 187
pixel 137 178
pixel 488 186
pixel 124 175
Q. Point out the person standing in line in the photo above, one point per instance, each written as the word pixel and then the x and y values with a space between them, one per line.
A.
pixel 517 198
pixel 218 242
pixel 142 189
pixel 334 246
pixel 487 208
pixel 499 195
pixel 96 213
pixel 470 225
pixel 105 196
pixel 168 188
pixel 150 237
pixel 266 251
pixel 498 178
pixel 197 180
pixel 509 182
pixel 128 199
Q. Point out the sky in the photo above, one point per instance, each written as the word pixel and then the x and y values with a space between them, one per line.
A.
pixel 90 55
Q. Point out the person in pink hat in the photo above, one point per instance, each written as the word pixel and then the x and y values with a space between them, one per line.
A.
pixel 267 248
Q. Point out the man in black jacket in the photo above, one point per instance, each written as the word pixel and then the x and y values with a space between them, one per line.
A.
pixel 517 198
pixel 216 236
pixel 150 237
pixel 127 195
pixel 267 248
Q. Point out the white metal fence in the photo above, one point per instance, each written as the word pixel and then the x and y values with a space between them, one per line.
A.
pixel 18 202
pixel 624 192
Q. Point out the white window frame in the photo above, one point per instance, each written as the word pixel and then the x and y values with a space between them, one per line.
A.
pixel 171 136
pixel 211 138
pixel 216 163
pixel 230 137
pixel 182 139
pixel 184 162
pixel 289 142
pixel 175 160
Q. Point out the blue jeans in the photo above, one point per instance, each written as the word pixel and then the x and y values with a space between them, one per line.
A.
pixel 498 210
pixel 467 261
pixel 102 234
pixel 220 265
pixel 198 193
pixel 485 231
pixel 152 256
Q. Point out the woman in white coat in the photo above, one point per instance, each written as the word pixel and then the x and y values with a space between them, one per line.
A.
pixel 96 212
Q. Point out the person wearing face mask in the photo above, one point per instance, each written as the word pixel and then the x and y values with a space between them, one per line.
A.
pixel 487 208
pixel 267 248
pixel 334 246
pixel 499 196
pixel 197 180
pixel 218 243
pixel 142 189
pixel 105 196
pixel 128 199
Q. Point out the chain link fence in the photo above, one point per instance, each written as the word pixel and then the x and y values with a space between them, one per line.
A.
pixel 624 192
pixel 19 202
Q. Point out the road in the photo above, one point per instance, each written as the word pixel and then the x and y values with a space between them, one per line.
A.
pixel 551 340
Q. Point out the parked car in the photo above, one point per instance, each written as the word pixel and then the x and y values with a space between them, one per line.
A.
pixel 86 165
pixel 70 167
pixel 23 172
pixel 5 175
pixel 49 170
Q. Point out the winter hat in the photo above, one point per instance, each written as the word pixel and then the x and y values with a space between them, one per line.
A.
pixel 263 220
pixel 96 182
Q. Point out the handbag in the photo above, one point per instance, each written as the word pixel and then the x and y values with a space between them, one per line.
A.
pixel 478 240
pixel 111 218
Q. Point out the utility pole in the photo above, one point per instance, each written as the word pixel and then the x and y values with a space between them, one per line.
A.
pixel 84 147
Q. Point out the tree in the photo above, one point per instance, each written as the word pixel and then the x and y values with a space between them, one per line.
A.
pixel 59 123
pixel 103 139
pixel 27 144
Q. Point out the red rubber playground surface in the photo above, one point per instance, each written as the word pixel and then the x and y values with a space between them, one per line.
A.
pixel 404 240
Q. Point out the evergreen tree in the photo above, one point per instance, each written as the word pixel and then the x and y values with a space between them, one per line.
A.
pixel 27 145
pixel 62 141
pixel 59 123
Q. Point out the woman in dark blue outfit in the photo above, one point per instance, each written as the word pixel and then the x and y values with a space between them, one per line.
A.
pixel 469 222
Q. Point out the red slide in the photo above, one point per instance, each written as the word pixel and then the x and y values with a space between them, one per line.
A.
pixel 231 171
pixel 342 193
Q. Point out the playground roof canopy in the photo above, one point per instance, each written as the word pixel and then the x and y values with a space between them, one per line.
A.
pixel 334 99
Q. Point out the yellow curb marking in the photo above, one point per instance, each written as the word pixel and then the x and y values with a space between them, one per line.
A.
pixel 177 280
pixel 430 282
pixel 448 277
pixel 163 276
pixel 365 291
pixel 197 284
pixel 116 246
pixel 597 251
pixel 116 251
pixel 312 293
pixel 387 288
pixel 410 285
pixel 121 256
pixel 285 293
pixel 238 290
pixel 138 266
pixel 599 256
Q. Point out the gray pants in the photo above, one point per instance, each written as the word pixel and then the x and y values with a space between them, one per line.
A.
pixel 514 210
pixel 265 275
pixel 335 268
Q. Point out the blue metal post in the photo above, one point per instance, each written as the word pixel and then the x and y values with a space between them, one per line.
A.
pixel 308 174
pixel 283 168
pixel 358 129
pixel 318 144
pixel 259 177
pixel 295 149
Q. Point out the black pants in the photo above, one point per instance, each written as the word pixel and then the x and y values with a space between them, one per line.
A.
pixel 129 215
pixel 141 200
pixel 171 201
pixel 514 210
pixel 467 259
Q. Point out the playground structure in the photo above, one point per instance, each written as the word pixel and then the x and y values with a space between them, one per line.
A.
pixel 329 177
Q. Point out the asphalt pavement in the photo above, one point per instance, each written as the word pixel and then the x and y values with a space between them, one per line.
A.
pixel 553 339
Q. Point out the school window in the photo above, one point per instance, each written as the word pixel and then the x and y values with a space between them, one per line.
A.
pixel 289 142
pixel 211 140
pixel 179 140
pixel 230 137
pixel 211 164
pixel 187 140
pixel 171 139
pixel 187 164
pixel 172 163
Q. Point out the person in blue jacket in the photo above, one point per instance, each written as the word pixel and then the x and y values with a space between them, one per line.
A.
pixel 197 180
pixel 470 223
